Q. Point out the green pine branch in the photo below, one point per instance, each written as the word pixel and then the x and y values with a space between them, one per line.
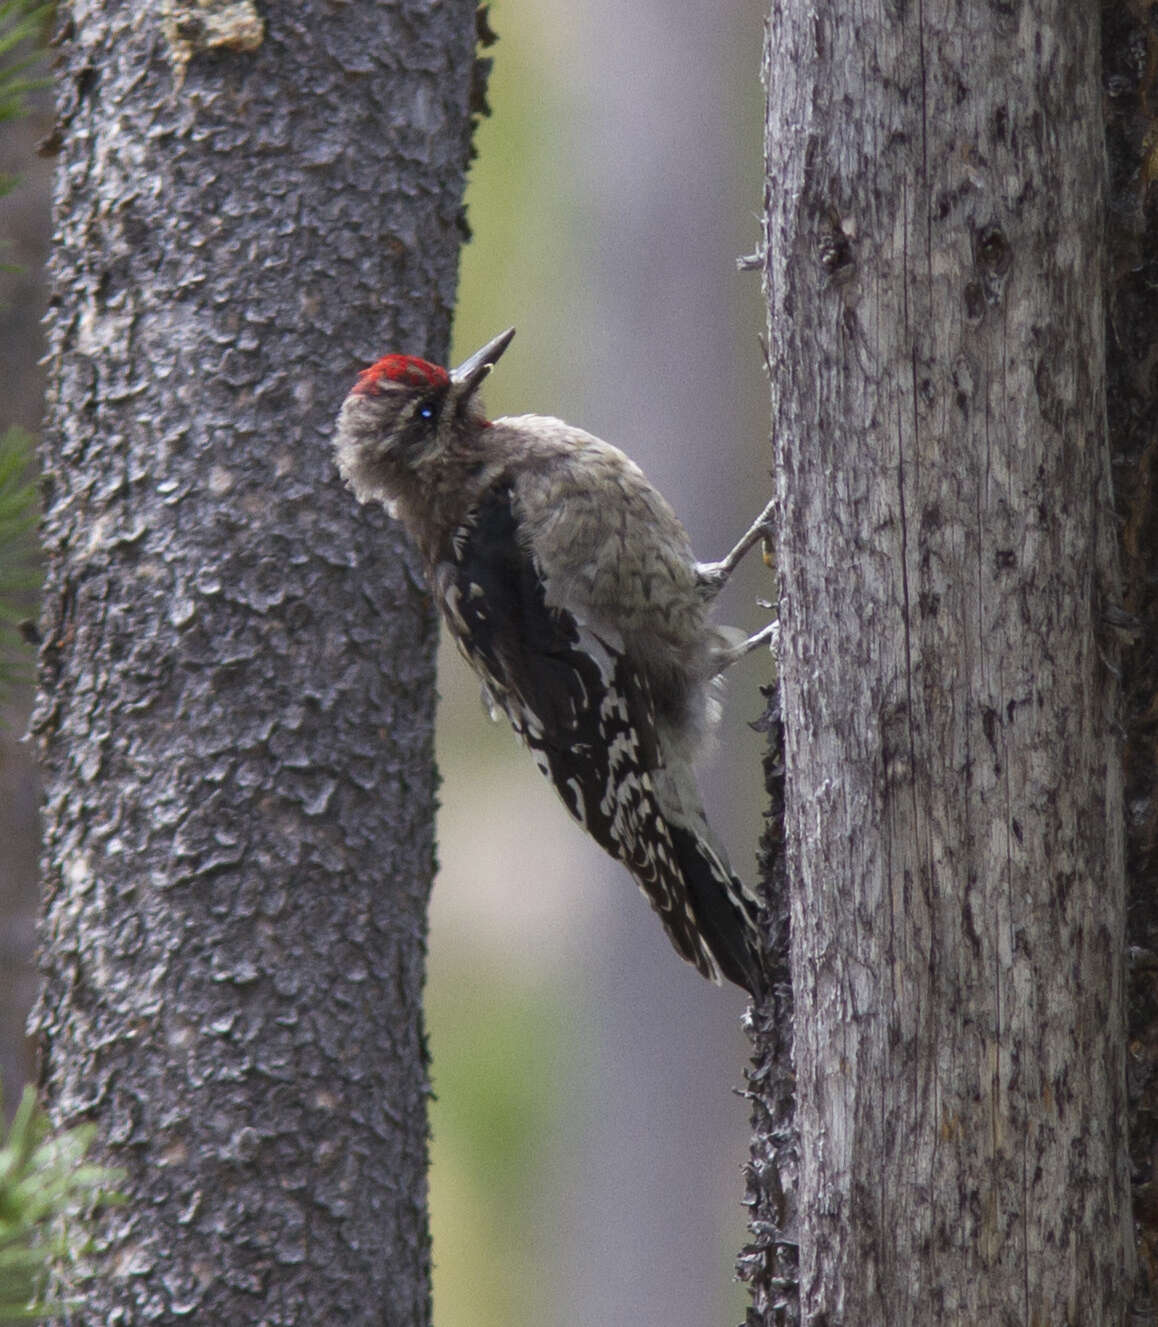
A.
pixel 48 1193
pixel 19 569
pixel 21 49
pixel 22 24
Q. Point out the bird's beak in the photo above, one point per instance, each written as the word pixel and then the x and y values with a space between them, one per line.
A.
pixel 470 373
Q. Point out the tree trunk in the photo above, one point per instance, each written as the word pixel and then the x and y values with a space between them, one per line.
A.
pixel 1131 85
pixel 953 787
pixel 237 671
pixel 770 1263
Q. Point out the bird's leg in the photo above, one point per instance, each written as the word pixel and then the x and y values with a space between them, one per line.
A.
pixel 713 576
pixel 769 635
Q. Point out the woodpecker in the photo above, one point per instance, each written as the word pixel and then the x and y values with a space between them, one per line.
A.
pixel 571 589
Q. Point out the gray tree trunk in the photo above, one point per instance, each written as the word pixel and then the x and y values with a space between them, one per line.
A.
pixel 946 548
pixel 237 667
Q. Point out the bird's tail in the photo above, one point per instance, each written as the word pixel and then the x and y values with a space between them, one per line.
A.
pixel 710 915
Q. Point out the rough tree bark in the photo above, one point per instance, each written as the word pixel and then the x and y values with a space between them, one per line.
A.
pixel 1130 81
pixel 769 1263
pixel 237 669
pixel 953 786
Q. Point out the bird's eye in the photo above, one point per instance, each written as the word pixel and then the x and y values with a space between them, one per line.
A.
pixel 427 412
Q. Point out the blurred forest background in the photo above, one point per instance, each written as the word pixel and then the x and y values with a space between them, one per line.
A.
pixel 587 1141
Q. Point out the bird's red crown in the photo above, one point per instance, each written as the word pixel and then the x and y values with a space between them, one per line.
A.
pixel 406 370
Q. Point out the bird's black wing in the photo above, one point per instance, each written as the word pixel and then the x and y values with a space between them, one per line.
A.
pixel 586 713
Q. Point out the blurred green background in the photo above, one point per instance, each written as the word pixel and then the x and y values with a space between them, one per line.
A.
pixel 587 1141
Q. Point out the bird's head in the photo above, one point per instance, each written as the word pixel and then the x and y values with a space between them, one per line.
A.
pixel 404 413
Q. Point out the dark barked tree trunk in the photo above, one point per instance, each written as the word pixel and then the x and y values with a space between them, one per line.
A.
pixel 237 668
pixel 953 786
pixel 1130 80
